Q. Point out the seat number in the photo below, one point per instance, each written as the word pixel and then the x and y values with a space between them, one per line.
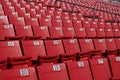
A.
pixel 36 43
pixel 56 67
pixel 24 72
pixel 81 64
pixel 100 61
pixel 117 58
pixel 10 43
pixel 55 42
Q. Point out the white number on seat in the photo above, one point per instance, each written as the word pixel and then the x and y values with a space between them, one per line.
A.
pixel 72 41
pixel 24 72
pixel 117 58
pixel 55 42
pixel 100 40
pixel 100 61
pixel 56 67
pixel 43 27
pixel 87 40
pixel 25 27
pixel 81 64
pixel 6 26
pixel 36 43
pixel 10 43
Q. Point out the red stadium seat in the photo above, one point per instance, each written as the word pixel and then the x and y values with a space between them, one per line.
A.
pixel 41 31
pixel 116 32
pixel 94 25
pixel 15 14
pixel 77 23
pixel 72 15
pixel 86 24
pixel 115 63
pixel 91 32
pixel 45 22
pixel 65 15
pixel 109 33
pixel 117 42
pixel 6 31
pixel 111 45
pixel 54 47
pixel 52 71
pixel 100 44
pixel 21 11
pixel 100 68
pixel 68 32
pixel 101 24
pixel 67 23
pixel 17 20
pixel 40 11
pixel 79 70
pixel 108 25
pixel 3 65
pixel 100 33
pixel 115 78
pixel 32 21
pixel 86 45
pixel 56 32
pixel 33 48
pixel 115 25
pixel 71 46
pixel 57 22
pixel 22 31
pixel 9 49
pixel 80 32
pixel 4 20
pixel 19 74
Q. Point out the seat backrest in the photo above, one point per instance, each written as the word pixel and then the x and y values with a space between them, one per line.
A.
pixel 19 74
pixel 69 32
pixel 6 31
pixel 86 45
pixel 41 31
pixel 100 44
pixel 115 63
pixel 4 20
pixel 109 33
pixel 33 48
pixel 91 32
pixel 23 31
pixel 101 24
pixel 94 24
pixel 108 25
pixel 100 69
pixel 80 32
pixel 67 23
pixel 17 20
pixel 52 71
pixel 9 49
pixel 117 42
pixel 56 32
pixel 71 46
pixel 86 24
pixel 45 22
pixel 79 70
pixel 111 44
pixel 100 33
pixel 77 23
pixel 57 22
pixel 54 47
pixel 116 32
pixel 32 21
